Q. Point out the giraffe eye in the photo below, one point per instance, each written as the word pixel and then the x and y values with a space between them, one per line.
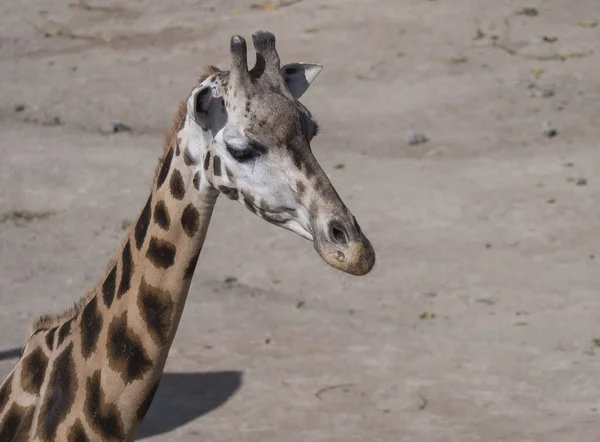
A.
pixel 250 152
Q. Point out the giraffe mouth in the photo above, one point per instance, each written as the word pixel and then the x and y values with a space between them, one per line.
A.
pixel 275 211
pixel 287 219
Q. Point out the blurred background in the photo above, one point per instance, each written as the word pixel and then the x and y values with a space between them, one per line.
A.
pixel 462 134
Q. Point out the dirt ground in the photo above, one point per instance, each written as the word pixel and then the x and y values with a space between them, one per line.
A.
pixel 481 320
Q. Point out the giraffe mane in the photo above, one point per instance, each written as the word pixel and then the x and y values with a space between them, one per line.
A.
pixel 49 321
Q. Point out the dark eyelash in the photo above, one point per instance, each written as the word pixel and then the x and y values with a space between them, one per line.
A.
pixel 243 155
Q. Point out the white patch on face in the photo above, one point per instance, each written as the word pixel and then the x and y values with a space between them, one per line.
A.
pixel 236 139
pixel 266 179
pixel 198 139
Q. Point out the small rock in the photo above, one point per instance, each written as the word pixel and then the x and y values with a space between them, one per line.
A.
pixel 415 138
pixel 485 301
pixel 114 128
pixel 230 279
pixel 54 121
pixel 528 12
pixel 581 182
pixel 540 92
pixel 19 107
pixel 548 131
pixel 548 39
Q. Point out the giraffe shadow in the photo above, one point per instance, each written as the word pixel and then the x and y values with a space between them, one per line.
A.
pixel 12 353
pixel 183 397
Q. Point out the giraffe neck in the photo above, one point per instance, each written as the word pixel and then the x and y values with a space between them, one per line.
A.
pixel 143 297
pixel 96 373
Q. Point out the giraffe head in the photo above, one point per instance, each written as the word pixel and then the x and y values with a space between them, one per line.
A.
pixel 253 139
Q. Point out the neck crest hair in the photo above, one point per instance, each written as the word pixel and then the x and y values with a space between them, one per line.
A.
pixel 49 321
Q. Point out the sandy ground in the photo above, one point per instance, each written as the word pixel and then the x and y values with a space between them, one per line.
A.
pixel 481 320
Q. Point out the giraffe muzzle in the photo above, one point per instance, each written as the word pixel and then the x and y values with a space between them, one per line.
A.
pixel 345 247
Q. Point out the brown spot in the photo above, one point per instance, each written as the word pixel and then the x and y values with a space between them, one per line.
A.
pixel 126 353
pixel 109 286
pixel 177 185
pixel 190 220
pixel 217 165
pixel 164 170
pixel 156 308
pixel 141 227
pixel 64 331
pixel 207 160
pixel 309 170
pixel 189 271
pixel 297 158
pixel 50 338
pixel 77 433
pixel 33 370
pixel 177 144
pixel 249 201
pixel 5 391
pixel 229 192
pixel 103 417
pixel 161 253
pixel 161 215
pixel 16 424
pixel 196 181
pixel 90 326
pixel 126 270
pixel 145 406
pixel 188 159
pixel 60 394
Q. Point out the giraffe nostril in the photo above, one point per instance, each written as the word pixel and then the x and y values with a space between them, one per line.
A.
pixel 338 235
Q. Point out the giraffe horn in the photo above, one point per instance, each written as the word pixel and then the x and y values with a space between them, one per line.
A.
pixel 239 60
pixel 264 43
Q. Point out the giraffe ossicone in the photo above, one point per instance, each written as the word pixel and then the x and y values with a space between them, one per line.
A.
pixel 90 373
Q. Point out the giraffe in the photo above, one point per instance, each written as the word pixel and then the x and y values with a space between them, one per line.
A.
pixel 90 373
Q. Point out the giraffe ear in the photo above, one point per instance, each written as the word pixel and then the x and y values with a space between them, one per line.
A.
pixel 299 76
pixel 202 103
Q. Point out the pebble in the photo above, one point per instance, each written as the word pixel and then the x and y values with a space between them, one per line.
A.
pixel 19 107
pixel 548 131
pixel 538 91
pixel 114 128
pixel 415 138
pixel 53 121
pixel 581 182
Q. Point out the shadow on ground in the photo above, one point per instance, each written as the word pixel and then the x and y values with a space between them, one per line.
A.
pixel 12 353
pixel 183 397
